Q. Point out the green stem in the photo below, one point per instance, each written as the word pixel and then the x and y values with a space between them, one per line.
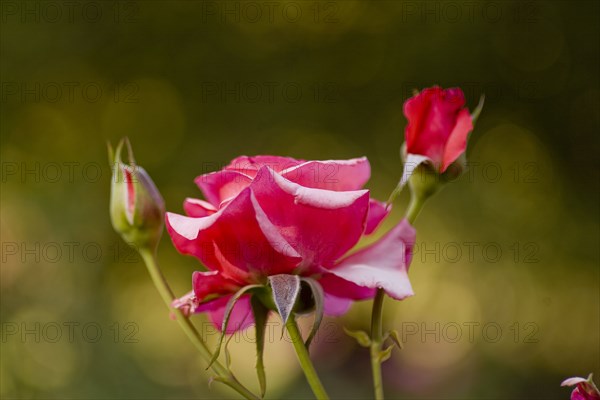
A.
pixel 414 208
pixel 377 342
pixel 166 293
pixel 304 359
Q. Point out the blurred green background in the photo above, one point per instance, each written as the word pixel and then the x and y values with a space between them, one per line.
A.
pixel 506 269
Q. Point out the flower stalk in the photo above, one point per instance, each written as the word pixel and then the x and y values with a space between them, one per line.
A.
pixel 377 343
pixel 417 200
pixel 304 359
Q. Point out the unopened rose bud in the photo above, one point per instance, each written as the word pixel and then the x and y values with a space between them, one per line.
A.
pixel 585 389
pixel 436 137
pixel 136 207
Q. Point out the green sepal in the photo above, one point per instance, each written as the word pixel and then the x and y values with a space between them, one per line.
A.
pixel 285 289
pixel 319 297
pixel 477 110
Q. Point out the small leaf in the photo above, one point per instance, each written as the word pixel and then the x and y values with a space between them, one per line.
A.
pixel 393 334
pixel 361 337
pixel 385 355
pixel 319 297
pixel 227 315
pixel 285 292
pixel 478 109
pixel 261 314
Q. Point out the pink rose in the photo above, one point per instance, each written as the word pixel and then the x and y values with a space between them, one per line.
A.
pixel 268 215
pixel 584 388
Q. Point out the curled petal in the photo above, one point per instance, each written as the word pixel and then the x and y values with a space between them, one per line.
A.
pixel 377 213
pixel 337 175
pixel 222 185
pixel 384 264
pixel 212 283
pixel 573 381
pixel 198 208
pixel 187 303
pixel 251 165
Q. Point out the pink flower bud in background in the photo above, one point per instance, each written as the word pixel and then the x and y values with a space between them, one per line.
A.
pixel 585 389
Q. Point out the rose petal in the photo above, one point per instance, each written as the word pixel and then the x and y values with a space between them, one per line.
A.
pixel 251 165
pixel 186 303
pixel 384 264
pixel 431 118
pixel 338 175
pixel 240 317
pixel 457 142
pixel 198 208
pixel 222 185
pixel 377 213
pixel 212 283
pixel 573 381
pixel 322 225
pixel 238 240
pixel 336 306
pixel 339 287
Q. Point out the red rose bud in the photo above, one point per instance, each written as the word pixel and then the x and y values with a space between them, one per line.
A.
pixel 136 207
pixel 436 135
pixel 585 389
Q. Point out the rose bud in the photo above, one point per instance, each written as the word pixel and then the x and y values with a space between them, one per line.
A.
pixel 436 136
pixel 136 207
pixel 584 388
